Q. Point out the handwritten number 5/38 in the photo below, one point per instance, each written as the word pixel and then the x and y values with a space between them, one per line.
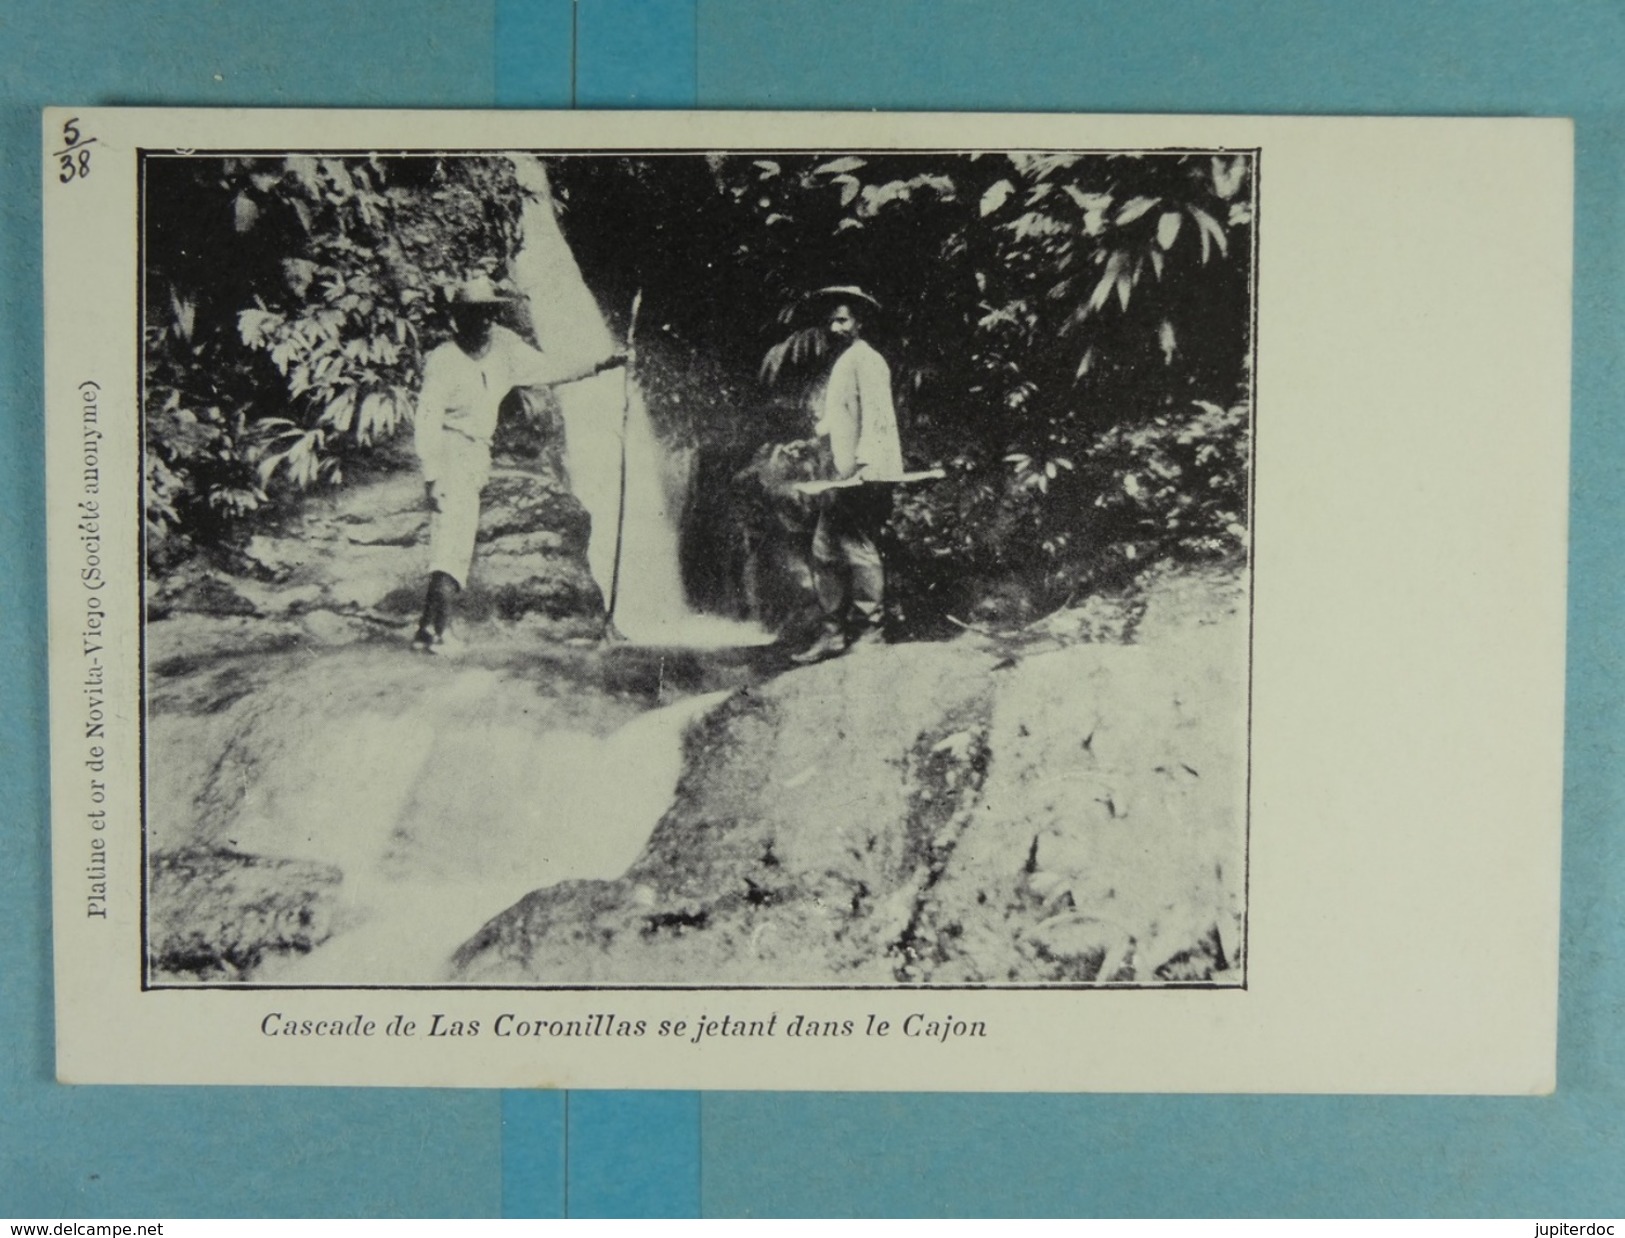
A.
pixel 73 159
pixel 75 163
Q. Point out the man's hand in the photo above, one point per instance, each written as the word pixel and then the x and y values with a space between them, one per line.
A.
pixel 613 361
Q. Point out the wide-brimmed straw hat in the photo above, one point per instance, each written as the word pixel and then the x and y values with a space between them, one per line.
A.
pixel 479 292
pixel 834 294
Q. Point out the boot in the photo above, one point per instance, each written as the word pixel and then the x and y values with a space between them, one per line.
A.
pixel 868 636
pixel 830 643
pixel 432 636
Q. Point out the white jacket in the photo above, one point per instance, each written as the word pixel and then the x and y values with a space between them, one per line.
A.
pixel 858 417
pixel 461 394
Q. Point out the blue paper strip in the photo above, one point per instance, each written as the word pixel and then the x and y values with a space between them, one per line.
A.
pixel 533 1154
pixel 637 53
pixel 179 1152
pixel 535 53
pixel 634 1154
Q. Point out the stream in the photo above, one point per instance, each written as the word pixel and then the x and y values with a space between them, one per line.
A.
pixel 479 813
pixel 444 792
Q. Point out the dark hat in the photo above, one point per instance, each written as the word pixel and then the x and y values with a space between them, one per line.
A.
pixel 479 292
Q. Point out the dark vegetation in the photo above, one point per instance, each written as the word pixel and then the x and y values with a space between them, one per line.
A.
pixel 1069 334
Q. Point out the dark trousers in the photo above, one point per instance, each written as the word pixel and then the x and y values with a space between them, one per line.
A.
pixel 847 572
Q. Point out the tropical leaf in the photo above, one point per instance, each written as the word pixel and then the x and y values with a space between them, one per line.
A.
pixel 304 172
pixel 1211 230
pixel 1040 166
pixel 995 196
pixel 1228 175
pixel 256 326
pixel 183 315
pixel 375 417
pixel 794 355
pixel 846 163
pixel 1134 208
pixel 341 411
pixel 244 213
pixel 1166 341
pixel 1116 268
pixel 877 196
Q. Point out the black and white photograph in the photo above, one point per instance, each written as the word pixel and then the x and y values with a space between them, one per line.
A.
pixel 800 568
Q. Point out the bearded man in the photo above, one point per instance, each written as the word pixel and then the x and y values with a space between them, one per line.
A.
pixel 858 426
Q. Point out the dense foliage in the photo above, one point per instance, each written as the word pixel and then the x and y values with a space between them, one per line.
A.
pixel 289 302
pixel 1069 333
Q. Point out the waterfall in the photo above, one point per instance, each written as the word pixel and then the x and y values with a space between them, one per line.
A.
pixel 651 607
pixel 428 853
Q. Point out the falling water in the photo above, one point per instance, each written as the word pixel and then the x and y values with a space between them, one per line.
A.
pixel 651 606
pixel 434 850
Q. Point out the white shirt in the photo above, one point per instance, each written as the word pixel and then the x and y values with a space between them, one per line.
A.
pixel 462 394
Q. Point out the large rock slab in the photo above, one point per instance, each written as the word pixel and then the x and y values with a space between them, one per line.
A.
pixel 783 857
pixel 935 813
pixel 361 553
pixel 1004 808
pixel 219 914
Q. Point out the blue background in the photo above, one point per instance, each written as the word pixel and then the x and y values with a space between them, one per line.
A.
pixel 87 1152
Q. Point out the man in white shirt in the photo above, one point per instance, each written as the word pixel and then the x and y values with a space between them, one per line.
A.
pixel 465 381
pixel 860 425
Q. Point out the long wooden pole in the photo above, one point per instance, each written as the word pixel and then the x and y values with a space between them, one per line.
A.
pixel 626 420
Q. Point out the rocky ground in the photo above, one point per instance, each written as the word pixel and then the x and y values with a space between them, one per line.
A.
pixel 353 564
pixel 1063 803
pixel 985 810
pixel 277 687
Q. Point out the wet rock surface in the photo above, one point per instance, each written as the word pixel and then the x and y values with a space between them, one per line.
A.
pixel 219 914
pixel 984 811
pixel 376 790
pixel 1060 802
pixel 284 706
pixel 360 558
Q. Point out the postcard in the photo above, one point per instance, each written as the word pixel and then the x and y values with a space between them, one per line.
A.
pixel 895 602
